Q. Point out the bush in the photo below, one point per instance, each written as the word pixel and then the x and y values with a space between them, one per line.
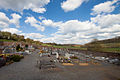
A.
pixel 2 62
pixel 74 57
pixel 16 58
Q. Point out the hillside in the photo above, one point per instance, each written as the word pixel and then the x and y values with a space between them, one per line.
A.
pixel 107 45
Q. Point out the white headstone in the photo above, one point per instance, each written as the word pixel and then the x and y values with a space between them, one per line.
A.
pixel 57 55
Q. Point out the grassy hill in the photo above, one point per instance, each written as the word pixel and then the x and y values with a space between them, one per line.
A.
pixel 5 40
pixel 108 45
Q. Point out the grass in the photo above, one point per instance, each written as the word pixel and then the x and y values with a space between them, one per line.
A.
pixel 114 50
pixel 5 40
pixel 46 45
pixel 111 45
pixel 70 47
pixel 105 49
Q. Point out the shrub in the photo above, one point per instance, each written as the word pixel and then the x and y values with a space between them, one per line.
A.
pixel 16 58
pixel 74 57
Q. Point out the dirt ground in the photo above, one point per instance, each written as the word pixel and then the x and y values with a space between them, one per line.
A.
pixel 26 69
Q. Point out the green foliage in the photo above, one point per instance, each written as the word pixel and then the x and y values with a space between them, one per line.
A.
pixel 74 57
pixel 7 36
pixel 108 45
pixel 5 40
pixel 65 46
pixel 26 46
pixel 114 50
pixel 18 47
pixel 16 58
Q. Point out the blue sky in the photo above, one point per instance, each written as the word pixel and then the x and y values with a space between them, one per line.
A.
pixel 61 21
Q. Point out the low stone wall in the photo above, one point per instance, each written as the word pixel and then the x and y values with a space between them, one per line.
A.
pixel 105 54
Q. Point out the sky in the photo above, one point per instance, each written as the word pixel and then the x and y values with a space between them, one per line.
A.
pixel 61 21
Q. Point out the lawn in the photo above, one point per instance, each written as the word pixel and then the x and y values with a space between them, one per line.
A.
pixel 70 47
pixel 114 50
pixel 5 40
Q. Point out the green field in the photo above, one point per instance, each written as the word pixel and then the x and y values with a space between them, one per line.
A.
pixel 109 47
pixel 5 40
pixel 66 47
pixel 114 50
pixel 70 47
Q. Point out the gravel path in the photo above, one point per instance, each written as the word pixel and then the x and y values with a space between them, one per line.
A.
pixel 26 70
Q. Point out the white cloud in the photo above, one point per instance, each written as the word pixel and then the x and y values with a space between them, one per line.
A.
pixel 4 20
pixel 42 18
pixel 20 5
pixel 72 31
pixel 105 7
pixel 114 28
pixel 3 24
pixel 12 30
pixel 51 23
pixel 77 32
pixel 117 33
pixel 104 34
pixel 70 5
pixel 3 17
pixel 65 39
pixel 33 35
pixel 73 26
pixel 15 19
pixel 33 22
pixel 106 20
pixel 39 10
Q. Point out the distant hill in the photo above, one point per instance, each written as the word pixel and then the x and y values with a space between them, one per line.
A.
pixel 107 45
pixel 112 40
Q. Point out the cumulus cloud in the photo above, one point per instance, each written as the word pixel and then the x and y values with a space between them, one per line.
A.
pixel 42 18
pixel 48 22
pixel 33 35
pixel 15 19
pixel 40 25
pixel 106 20
pixel 105 7
pixel 5 21
pixel 11 30
pixel 72 31
pixel 39 10
pixel 20 5
pixel 33 22
pixel 65 39
pixel 73 26
pixel 104 34
pixel 114 28
pixel 70 5
pixel 77 32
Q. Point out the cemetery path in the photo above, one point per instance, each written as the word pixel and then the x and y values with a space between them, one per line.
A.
pixel 26 70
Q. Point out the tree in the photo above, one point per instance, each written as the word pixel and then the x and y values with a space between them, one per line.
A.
pixel 21 38
pixel 26 46
pixel 15 37
pixel 94 40
pixel 5 35
pixel 18 47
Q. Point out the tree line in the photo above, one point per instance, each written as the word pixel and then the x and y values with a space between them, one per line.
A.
pixel 15 37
